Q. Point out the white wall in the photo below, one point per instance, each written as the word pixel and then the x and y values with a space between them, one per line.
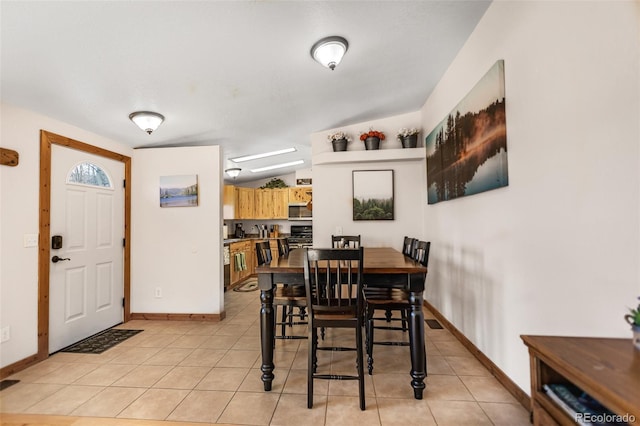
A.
pixel 177 249
pixel 19 188
pixel 557 251
pixel 333 191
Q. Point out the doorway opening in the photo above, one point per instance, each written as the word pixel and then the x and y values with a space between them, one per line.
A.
pixel 47 139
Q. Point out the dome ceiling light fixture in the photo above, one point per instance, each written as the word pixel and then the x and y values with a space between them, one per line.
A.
pixel 147 120
pixel 329 51
pixel 233 172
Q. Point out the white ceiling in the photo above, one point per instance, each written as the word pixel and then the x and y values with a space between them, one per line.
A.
pixel 232 73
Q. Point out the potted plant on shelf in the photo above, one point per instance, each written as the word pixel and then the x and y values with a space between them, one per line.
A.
pixel 633 318
pixel 372 139
pixel 339 141
pixel 408 137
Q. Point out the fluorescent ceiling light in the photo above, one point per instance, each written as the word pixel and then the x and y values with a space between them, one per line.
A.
pixel 263 155
pixel 277 166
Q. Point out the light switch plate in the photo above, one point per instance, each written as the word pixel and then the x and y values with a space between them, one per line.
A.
pixel 5 334
pixel 31 240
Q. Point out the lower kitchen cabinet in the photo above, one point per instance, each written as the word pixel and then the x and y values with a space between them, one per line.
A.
pixel 248 248
pixel 243 255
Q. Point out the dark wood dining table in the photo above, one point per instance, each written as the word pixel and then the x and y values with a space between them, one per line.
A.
pixel 383 267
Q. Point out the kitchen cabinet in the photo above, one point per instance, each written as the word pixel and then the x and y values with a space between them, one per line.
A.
pixel 280 198
pixel 263 204
pixel 273 245
pixel 300 194
pixel 271 203
pixel 235 249
pixel 228 202
pixel 249 203
pixel 244 203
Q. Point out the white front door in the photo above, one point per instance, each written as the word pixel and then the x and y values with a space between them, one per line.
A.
pixel 86 281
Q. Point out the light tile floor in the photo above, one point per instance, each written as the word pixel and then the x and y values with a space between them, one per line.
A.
pixel 210 373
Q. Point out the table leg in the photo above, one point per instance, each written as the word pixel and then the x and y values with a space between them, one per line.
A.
pixel 267 338
pixel 416 337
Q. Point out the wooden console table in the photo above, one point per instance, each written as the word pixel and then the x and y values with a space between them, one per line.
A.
pixel 607 369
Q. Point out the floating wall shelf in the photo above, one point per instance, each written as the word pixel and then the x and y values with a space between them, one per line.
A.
pixel 364 156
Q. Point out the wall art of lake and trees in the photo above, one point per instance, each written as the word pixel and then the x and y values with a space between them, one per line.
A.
pixel 467 151
pixel 179 191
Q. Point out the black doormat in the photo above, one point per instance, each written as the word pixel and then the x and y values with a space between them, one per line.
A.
pixel 433 323
pixel 250 285
pixel 6 383
pixel 100 342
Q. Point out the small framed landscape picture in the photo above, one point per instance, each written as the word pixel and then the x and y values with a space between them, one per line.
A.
pixel 373 195
pixel 179 191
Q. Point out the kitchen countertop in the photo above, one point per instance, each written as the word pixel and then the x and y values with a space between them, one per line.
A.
pixel 251 237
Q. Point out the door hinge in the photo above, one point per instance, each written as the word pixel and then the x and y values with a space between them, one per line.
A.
pixel 124 183
pixel 124 242
pixel 123 302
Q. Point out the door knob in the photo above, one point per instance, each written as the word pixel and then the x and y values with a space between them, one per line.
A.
pixel 56 259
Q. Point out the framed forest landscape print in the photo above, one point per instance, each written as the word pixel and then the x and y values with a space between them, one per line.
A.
pixel 373 195
pixel 467 151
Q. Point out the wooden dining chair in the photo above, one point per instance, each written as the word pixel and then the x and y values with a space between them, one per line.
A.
pixel 283 247
pixel 407 246
pixel 333 283
pixel 345 241
pixel 288 297
pixel 421 252
pixel 390 300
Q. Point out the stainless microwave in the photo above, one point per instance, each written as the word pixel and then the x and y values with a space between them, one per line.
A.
pixel 299 211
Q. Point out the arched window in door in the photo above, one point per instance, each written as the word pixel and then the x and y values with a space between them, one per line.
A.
pixel 89 174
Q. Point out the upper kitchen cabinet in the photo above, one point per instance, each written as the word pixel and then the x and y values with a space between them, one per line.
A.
pixel 229 202
pixel 237 203
pixel 244 203
pixel 280 203
pixel 271 203
pixel 249 203
pixel 299 194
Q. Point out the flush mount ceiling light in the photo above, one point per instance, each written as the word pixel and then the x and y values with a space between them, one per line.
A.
pixel 263 155
pixel 277 166
pixel 147 120
pixel 233 172
pixel 329 51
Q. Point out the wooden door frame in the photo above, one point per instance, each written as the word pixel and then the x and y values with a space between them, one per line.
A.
pixel 44 247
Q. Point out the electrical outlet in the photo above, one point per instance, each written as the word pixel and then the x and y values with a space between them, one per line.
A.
pixel 158 292
pixel 5 334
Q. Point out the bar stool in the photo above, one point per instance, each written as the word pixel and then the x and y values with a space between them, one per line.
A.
pixel 333 283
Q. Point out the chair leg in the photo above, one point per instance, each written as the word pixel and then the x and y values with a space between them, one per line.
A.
pixel 369 325
pixel 315 350
pixel 360 366
pixel 404 320
pixel 283 325
pixel 387 315
pixel 311 365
